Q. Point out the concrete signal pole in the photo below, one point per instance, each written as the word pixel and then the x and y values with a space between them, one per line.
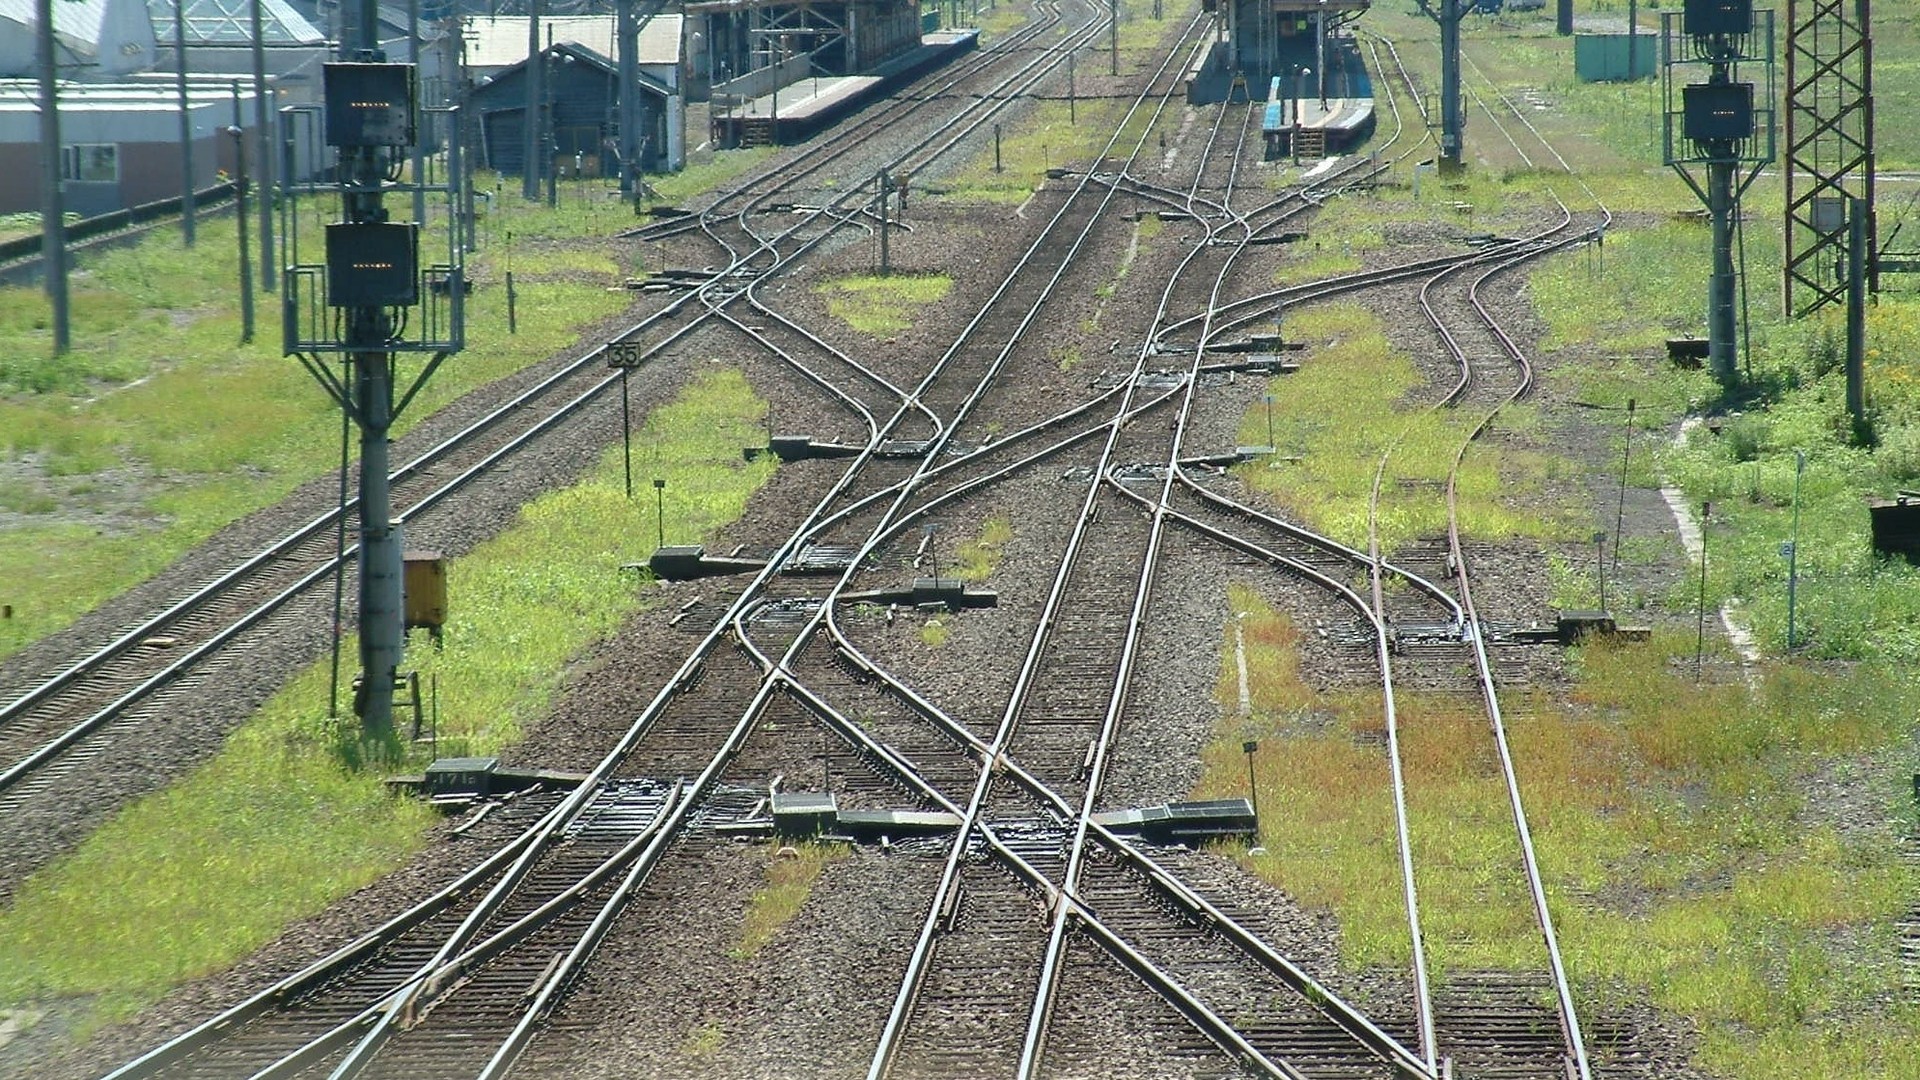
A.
pixel 186 121
pixel 530 116
pixel 1453 119
pixel 382 637
pixel 53 224
pixel 263 149
pixel 629 49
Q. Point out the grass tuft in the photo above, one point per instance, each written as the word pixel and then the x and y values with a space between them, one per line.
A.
pixel 881 306
pixel 188 880
pixel 790 874
pixel 1684 863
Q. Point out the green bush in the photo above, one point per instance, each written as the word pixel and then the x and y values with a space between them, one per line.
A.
pixel 1746 436
pixel 1899 453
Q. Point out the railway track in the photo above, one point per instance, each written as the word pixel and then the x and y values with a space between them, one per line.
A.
pixel 1038 904
pixel 125 680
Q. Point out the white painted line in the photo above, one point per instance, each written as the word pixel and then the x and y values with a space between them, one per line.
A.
pixel 1240 663
pixel 1691 540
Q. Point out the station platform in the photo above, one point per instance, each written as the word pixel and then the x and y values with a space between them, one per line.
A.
pixel 1319 127
pixel 801 108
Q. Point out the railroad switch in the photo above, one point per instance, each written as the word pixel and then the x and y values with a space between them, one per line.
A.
pixel 1185 822
pixel 1575 624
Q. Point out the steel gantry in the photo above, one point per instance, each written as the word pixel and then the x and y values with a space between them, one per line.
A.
pixel 1830 154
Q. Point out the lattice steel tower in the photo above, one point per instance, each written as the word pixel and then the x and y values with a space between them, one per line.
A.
pixel 1829 148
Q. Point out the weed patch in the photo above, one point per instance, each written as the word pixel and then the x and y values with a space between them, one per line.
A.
pixel 1683 861
pixel 187 881
pixel 1338 437
pixel 882 306
pixel 977 558
pixel 790 874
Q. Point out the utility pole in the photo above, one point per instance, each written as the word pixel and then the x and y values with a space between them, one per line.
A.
pixel 358 306
pixel 1113 13
pixel 1453 119
pixel 1700 625
pixel 1249 747
pixel 263 150
pixel 382 638
pixel 629 48
pixel 53 224
pixel 418 163
pixel 886 265
pixel 1859 211
pixel 186 121
pixel 238 131
pixel 1620 511
pixel 530 116
pixel 1793 549
pixel 1725 125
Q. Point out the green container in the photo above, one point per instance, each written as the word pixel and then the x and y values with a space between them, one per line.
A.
pixel 1603 57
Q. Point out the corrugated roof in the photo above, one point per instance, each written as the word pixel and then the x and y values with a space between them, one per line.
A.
pixel 76 20
pixel 230 22
pixel 497 41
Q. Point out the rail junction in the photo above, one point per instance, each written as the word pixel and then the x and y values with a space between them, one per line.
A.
pixel 1035 929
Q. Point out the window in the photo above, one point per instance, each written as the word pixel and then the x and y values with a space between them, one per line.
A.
pixel 91 163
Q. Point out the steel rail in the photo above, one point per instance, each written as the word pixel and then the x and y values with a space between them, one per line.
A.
pixel 1030 1063
pixel 328 520
pixel 1562 988
pixel 535 839
pixel 433 979
pixel 1573 1042
pixel 921 955
pixel 1205 1019
pixel 328 967
pixel 54 748
pixel 370 1042
pixel 968 119
pixel 1053 960
pixel 179 666
pixel 842 138
pixel 1255 947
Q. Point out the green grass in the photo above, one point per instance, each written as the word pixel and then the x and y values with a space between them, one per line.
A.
pixel 703 1041
pixel 188 880
pixel 977 559
pixel 1054 134
pixel 1685 864
pixel 1851 604
pixel 935 631
pixel 182 428
pixel 882 305
pixel 1339 437
pixel 789 875
pixel 1608 309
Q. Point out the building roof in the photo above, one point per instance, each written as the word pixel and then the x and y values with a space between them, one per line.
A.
pixel 120 111
pixel 109 36
pixel 78 21
pixel 498 41
pixel 230 22
pixel 593 58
